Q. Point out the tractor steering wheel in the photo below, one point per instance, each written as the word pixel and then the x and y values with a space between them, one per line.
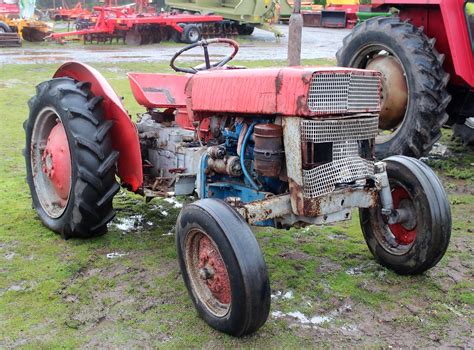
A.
pixel 204 44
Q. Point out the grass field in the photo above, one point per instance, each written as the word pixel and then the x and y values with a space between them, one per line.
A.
pixel 124 289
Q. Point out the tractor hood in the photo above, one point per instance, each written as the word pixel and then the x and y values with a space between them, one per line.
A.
pixel 290 91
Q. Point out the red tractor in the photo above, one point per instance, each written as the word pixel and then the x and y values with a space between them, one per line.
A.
pixel 425 55
pixel 269 147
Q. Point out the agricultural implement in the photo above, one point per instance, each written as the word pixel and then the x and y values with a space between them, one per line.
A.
pixel 136 27
pixel 425 55
pixel 13 28
pixel 65 13
pixel 271 147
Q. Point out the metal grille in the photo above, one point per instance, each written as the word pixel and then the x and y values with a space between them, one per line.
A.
pixel 337 92
pixel 318 131
pixel 346 165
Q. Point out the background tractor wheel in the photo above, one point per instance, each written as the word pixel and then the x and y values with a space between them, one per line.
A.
pixel 417 244
pixel 70 163
pixel 4 28
pixel 222 267
pixel 414 96
pixel 191 33
pixel 245 29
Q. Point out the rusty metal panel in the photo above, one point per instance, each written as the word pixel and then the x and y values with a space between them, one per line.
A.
pixel 294 166
pixel 159 90
pixel 271 208
pixel 282 91
pixel 249 91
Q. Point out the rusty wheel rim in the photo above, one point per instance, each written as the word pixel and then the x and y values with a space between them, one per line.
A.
pixel 362 60
pixel 399 238
pixel 207 272
pixel 51 162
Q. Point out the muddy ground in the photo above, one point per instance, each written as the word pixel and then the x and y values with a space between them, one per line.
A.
pixel 124 289
pixel 262 45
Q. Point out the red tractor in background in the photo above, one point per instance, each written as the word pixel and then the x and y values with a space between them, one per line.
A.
pixel 425 55
pixel 271 147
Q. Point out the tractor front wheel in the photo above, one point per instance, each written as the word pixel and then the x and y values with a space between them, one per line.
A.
pixel 70 163
pixel 222 267
pixel 420 241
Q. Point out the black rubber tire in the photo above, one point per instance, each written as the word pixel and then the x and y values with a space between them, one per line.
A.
pixel 191 33
pixel 93 160
pixel 5 27
pixel 176 36
pixel 245 29
pixel 250 287
pixel 426 81
pixel 433 218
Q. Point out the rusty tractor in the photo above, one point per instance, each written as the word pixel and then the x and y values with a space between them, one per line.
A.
pixel 425 55
pixel 269 147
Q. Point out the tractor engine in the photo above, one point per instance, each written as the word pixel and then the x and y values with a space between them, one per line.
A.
pixel 312 149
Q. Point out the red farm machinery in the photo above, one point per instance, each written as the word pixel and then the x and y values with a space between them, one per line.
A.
pixel 425 55
pixel 276 147
pixel 138 24
pixel 67 13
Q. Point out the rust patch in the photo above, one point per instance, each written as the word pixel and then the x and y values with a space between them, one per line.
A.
pixel 278 83
pixel 301 105
pixel 307 77
pixel 296 195
pixel 169 98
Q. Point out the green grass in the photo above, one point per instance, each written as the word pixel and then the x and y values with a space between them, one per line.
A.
pixel 68 294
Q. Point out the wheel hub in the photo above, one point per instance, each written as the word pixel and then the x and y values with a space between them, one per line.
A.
pixel 213 271
pixel 405 232
pixel 57 161
pixel 394 97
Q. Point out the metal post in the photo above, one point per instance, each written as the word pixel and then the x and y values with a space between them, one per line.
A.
pixel 294 35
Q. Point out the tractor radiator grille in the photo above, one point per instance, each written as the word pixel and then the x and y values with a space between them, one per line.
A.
pixel 335 93
pixel 347 140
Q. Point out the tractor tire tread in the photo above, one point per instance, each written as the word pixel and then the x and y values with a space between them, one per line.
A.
pixel 107 164
pixel 93 186
pixel 428 81
pixel 91 145
pixel 103 130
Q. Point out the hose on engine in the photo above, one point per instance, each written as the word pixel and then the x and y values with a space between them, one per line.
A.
pixel 242 157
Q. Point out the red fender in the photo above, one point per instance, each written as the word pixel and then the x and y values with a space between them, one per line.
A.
pixel 124 134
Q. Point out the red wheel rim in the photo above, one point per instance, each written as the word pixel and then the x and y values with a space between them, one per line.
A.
pixel 51 162
pixel 403 235
pixel 213 271
pixel 56 161
pixel 208 272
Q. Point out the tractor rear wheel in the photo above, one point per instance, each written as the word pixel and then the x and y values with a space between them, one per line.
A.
pixel 70 163
pixel 222 267
pixel 420 241
pixel 414 95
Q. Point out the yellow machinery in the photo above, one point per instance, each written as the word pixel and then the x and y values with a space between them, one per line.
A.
pixel 17 23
